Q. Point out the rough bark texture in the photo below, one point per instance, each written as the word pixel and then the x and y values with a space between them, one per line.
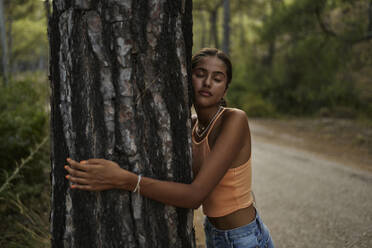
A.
pixel 120 90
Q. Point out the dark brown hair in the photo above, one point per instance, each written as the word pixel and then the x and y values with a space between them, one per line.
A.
pixel 214 52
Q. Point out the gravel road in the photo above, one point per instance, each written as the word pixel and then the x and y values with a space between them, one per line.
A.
pixel 308 200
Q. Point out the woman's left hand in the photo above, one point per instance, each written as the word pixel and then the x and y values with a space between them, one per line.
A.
pixel 95 174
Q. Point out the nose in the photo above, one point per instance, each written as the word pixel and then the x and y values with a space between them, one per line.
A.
pixel 207 82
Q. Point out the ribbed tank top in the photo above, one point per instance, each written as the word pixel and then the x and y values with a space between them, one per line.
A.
pixel 233 192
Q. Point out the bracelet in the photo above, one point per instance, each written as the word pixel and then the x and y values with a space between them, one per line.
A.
pixel 138 187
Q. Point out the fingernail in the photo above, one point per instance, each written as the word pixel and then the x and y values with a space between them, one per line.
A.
pixel 66 176
pixel 68 159
pixel 65 166
pixel 83 162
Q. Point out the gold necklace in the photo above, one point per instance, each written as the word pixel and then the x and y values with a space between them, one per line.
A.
pixel 204 130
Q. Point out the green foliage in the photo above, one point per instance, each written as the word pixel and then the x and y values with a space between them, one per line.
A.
pixel 28 45
pixel 304 59
pixel 24 159
pixel 24 149
pixel 23 121
pixel 26 34
pixel 254 105
pixel 305 79
pixel 294 19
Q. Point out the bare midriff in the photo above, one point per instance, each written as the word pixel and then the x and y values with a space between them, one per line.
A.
pixel 236 219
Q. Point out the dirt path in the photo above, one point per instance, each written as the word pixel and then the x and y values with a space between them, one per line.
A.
pixel 307 194
pixel 344 141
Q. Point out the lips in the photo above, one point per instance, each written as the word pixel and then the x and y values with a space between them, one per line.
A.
pixel 204 93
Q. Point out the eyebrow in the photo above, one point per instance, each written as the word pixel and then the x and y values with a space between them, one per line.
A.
pixel 204 70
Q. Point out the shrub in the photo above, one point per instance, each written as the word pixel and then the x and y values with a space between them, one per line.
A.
pixel 24 204
pixel 255 106
pixel 23 122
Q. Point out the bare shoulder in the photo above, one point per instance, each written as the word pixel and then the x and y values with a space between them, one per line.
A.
pixel 235 116
pixel 233 129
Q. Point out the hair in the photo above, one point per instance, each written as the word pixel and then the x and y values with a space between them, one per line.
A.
pixel 214 52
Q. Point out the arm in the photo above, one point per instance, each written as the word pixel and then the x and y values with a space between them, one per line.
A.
pixel 100 174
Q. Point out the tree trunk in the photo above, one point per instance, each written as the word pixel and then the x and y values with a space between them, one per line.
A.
pixel 204 30
pixel 213 15
pixel 369 29
pixel 242 33
pixel 271 51
pixel 226 26
pixel 9 38
pixel 4 48
pixel 120 84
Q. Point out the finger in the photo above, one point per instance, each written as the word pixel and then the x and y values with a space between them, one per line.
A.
pixel 76 165
pixel 82 187
pixel 77 180
pixel 72 162
pixel 76 173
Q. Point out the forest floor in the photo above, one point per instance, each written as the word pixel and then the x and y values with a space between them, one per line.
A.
pixel 345 141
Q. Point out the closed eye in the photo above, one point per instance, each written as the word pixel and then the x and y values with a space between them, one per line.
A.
pixel 199 73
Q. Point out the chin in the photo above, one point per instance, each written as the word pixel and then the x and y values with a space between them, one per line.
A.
pixel 205 101
pixel 205 104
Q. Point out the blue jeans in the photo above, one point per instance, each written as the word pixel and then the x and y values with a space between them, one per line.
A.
pixel 254 234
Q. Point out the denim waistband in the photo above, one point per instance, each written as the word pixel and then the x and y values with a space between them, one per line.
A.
pixel 242 230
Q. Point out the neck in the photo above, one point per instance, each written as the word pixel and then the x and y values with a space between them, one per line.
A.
pixel 206 114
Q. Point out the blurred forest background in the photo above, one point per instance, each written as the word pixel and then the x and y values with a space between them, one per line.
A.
pixel 294 57
pixel 291 58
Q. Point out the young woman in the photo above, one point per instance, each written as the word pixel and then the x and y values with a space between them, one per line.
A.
pixel 221 164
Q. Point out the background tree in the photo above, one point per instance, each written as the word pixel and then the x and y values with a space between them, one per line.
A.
pixel 25 36
pixel 212 8
pixel 119 79
pixel 226 27
pixel 4 46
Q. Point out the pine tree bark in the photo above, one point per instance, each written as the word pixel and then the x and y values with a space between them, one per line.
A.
pixel 120 83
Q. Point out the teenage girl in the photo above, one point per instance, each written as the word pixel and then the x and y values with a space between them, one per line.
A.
pixel 221 164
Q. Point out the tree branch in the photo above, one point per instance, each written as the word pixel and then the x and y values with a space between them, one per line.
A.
pixel 23 162
pixel 330 32
pixel 322 25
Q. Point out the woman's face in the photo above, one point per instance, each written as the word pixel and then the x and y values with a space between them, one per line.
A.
pixel 209 80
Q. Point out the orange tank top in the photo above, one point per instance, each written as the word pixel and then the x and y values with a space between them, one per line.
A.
pixel 233 192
